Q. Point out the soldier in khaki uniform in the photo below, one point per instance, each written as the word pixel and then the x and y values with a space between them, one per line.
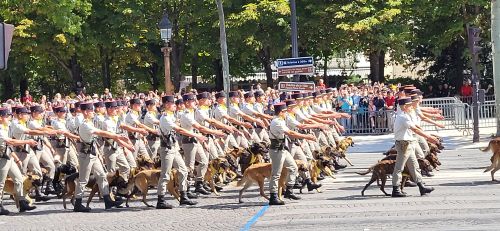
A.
pixel 89 162
pixel 262 119
pixel 151 120
pixel 404 133
pixel 193 150
pixel 9 163
pixel 132 119
pixel 280 156
pixel 170 156
pixel 220 114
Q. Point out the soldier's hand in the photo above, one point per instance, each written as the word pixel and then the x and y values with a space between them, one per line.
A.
pixel 433 139
pixel 144 132
pixel 311 137
pixel 441 126
pixel 248 125
pixel 261 123
pixel 201 138
pixel 341 129
pixel 32 143
pixel 219 133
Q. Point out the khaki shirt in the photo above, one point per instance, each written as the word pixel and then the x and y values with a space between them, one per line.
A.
pixel 86 131
pixel 278 128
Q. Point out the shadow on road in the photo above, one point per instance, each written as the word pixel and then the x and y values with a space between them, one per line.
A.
pixel 473 183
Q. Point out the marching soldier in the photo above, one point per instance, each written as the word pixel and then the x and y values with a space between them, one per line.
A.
pixel 235 112
pixel 220 114
pixel 280 156
pixel 259 105
pixel 151 121
pixel 261 123
pixel 170 156
pixel 193 150
pixel 404 133
pixel 297 150
pixel 9 163
pixel 44 149
pixel 202 116
pixel 132 119
pixel 20 131
pixel 89 162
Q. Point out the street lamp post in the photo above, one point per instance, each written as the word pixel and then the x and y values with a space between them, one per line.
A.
pixel 166 34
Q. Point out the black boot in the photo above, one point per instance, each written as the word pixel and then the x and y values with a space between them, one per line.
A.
pixel 289 193
pixel 189 194
pixel 24 206
pixel 410 183
pixel 396 192
pixel 49 188
pixel 321 176
pixel 424 190
pixel 427 173
pixel 311 186
pixel 273 200
pixel 79 207
pixel 38 195
pixel 206 187
pixel 184 199
pixel 199 188
pixel 3 211
pixel 108 203
pixel 162 204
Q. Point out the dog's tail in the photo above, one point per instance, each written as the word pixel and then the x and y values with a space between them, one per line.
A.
pixel 364 173
pixel 489 146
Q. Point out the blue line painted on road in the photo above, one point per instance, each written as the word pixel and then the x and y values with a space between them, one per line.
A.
pixel 255 218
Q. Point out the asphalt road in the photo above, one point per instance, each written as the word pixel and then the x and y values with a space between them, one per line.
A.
pixel 464 199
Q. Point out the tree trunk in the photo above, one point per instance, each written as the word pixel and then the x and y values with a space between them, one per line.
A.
pixel 105 64
pixel 219 78
pixel 153 73
pixel 76 72
pixel 194 71
pixel 23 85
pixel 325 67
pixel 377 66
pixel 265 59
pixel 8 87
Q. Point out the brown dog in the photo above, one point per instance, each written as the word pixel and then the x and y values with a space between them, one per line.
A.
pixel 342 148
pixel 27 185
pixel 114 179
pixel 493 145
pixel 323 164
pixel 258 172
pixel 385 167
pixel 146 178
pixel 219 167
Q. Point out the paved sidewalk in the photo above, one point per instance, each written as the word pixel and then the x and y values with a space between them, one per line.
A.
pixel 464 199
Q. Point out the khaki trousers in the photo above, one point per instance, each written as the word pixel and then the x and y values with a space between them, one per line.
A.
pixel 154 146
pixel 9 168
pixel 172 158
pixel 91 164
pixel 115 160
pixel 30 162
pixel 195 152
pixel 280 159
pixel 406 157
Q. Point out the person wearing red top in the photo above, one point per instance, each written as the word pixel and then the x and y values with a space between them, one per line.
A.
pixel 390 100
pixel 466 89
pixel 321 85
pixel 27 97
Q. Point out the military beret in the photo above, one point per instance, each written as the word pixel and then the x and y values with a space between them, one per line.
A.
pixel 124 103
pixel 404 101
pixel 316 94
pixel 203 95
pixel 414 97
pixel 72 110
pixel 168 99
pixel 279 107
pixel 187 97
pixel 249 94
pixel 111 104
pixel 220 94
pixel 416 91
pixel 119 103
pixel 22 110
pixel 297 96
pixel 291 103
pixel 329 90
pixel 99 104
pixel 149 102
pixel 36 108
pixel 308 95
pixel 233 94
pixel 86 106
pixel 179 101
pixel 259 93
pixel 59 109
pixel 77 104
pixel 4 111
pixel 135 101
pixel 322 92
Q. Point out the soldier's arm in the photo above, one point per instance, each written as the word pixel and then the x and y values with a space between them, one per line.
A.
pixel 220 125
pixel 428 120
pixel 237 122
pixel 129 128
pixel 300 136
pixel 16 142
pixel 206 130
pixel 423 134
pixel 185 132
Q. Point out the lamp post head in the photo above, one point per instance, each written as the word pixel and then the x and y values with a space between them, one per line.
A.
pixel 165 28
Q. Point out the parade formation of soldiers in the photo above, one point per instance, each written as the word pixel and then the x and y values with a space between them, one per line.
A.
pixel 185 133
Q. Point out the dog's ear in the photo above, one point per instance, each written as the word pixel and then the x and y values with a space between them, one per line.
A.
pixel 117 173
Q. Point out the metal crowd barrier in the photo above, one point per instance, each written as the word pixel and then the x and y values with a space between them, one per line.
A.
pixel 374 123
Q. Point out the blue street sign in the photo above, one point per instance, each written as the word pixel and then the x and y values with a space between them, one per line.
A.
pixel 291 62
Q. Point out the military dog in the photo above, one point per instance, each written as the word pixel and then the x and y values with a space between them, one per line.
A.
pixel 385 167
pixel 493 145
pixel 342 148
pixel 149 178
pixel 219 167
pixel 114 179
pixel 258 172
pixel 28 183
pixel 252 155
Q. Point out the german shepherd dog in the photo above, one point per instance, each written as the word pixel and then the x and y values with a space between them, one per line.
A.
pixel 253 154
pixel 493 145
pixel 28 183
pixel 114 179
pixel 342 148
pixel 385 167
pixel 258 172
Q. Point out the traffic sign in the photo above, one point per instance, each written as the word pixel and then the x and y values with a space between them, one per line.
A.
pixel 296 71
pixel 294 62
pixel 296 86
pixel 6 33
